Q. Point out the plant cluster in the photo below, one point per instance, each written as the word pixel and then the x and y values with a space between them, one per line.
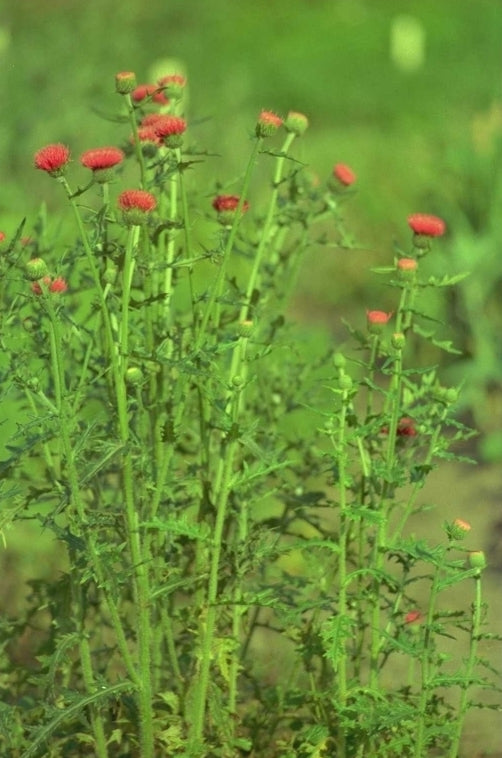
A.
pixel 230 505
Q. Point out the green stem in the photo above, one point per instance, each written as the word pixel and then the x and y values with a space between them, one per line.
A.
pixel 139 560
pixel 224 475
pixel 470 666
pixel 425 662
pixel 341 453
pixel 215 290
pixel 381 535
pixel 265 235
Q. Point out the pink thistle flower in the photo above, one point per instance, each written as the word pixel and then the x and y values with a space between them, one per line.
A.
pixel 425 225
pixel 268 123
pixel 344 174
pixel 101 158
pixel 53 159
pixel 3 236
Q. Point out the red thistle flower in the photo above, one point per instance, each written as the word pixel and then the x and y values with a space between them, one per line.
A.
pixel 425 225
pixel 151 119
pixel 268 123
pixel 138 200
pixel 376 320
pixel 149 92
pixel 147 134
pixel 406 427
pixel 55 286
pixel 344 174
pixel 142 91
pixel 170 130
pixel 414 617
pixel 101 158
pixel 226 207
pixel 3 236
pixel 53 159
pixel 136 205
pixel 228 203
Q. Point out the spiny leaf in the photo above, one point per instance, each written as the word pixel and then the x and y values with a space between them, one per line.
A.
pixel 73 710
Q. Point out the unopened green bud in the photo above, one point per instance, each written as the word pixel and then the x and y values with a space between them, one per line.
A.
pixel 35 269
pixel 345 382
pixel 296 123
pixel 398 341
pixel 110 273
pixel 237 382
pixel 477 560
pixel 134 376
pixel 245 328
pixel 339 360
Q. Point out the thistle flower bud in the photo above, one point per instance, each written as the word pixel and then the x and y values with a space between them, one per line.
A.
pixel 477 560
pixel 35 269
pixel 457 530
pixel 268 123
pixel 125 82
pixel 296 123
pixel 339 360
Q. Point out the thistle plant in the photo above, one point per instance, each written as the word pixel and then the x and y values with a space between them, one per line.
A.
pixel 217 488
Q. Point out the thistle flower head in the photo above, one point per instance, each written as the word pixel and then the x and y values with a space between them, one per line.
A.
pixel 170 130
pixel 344 174
pixel 268 123
pixel 426 225
pixel 376 320
pixel 54 286
pixel 101 161
pixel 226 208
pixel 135 205
pixel 53 159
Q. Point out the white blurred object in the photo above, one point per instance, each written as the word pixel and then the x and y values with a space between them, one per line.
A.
pixel 167 67
pixel 407 43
